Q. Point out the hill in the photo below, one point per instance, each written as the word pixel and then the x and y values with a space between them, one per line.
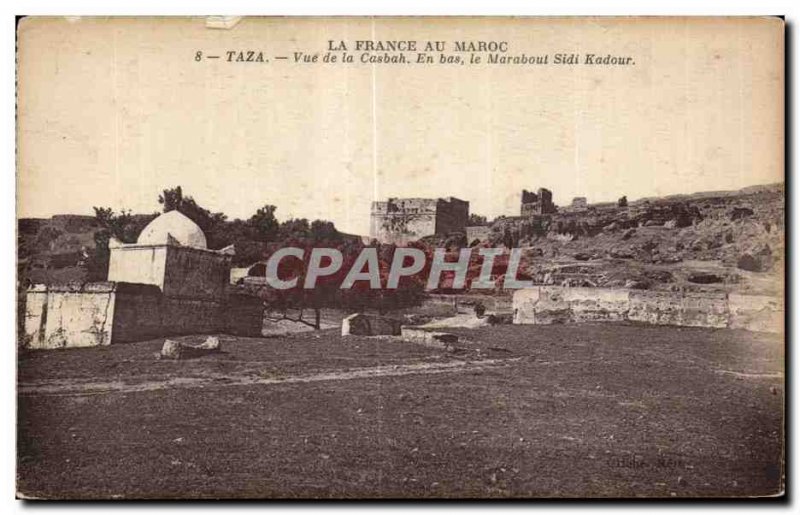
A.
pixel 728 240
pixel 721 240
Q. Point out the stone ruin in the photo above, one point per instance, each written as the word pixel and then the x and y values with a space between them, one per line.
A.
pixel 401 220
pixel 361 324
pixel 539 203
pixel 578 204
pixel 543 305
pixel 175 350
pixel 167 283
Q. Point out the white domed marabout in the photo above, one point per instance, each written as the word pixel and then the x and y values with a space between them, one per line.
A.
pixel 174 224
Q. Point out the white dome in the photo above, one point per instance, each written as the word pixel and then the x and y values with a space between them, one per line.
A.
pixel 176 225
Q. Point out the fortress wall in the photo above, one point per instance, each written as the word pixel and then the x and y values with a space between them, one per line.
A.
pixel 555 304
pixel 400 221
pixel 451 215
pixel 401 228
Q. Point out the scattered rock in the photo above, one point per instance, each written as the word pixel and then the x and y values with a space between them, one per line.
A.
pixel 739 213
pixel 361 324
pixel 704 278
pixel 685 220
pixel 416 319
pixel 660 276
pixel 431 338
pixel 621 254
pixel 500 319
pixel 669 258
pixel 171 350
pixel 582 256
pixel 749 263
pixel 178 350
pixel 211 343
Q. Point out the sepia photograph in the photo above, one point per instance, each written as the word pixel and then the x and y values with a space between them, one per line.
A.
pixel 400 258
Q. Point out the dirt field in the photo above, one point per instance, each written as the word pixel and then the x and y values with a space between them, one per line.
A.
pixel 591 410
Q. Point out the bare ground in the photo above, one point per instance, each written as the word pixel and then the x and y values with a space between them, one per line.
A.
pixel 600 410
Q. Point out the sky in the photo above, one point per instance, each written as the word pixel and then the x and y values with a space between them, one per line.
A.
pixel 112 111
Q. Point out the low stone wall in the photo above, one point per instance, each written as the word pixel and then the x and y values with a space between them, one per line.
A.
pixel 447 305
pixel 244 315
pixel 143 315
pixel 435 339
pixel 554 304
pixel 69 316
pixel 673 308
pixel 437 306
pixel 92 314
pixel 138 313
pixel 591 304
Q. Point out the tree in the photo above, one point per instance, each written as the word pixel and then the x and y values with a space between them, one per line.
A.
pixel 322 230
pixel 623 201
pixel 295 229
pixel 212 224
pixel 171 199
pixel 124 226
pixel 264 224
pixel 328 293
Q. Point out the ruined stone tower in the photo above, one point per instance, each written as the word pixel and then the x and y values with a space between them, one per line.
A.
pixel 402 220
pixel 540 203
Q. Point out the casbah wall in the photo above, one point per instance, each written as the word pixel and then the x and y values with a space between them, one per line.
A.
pixel 451 215
pixel 399 221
